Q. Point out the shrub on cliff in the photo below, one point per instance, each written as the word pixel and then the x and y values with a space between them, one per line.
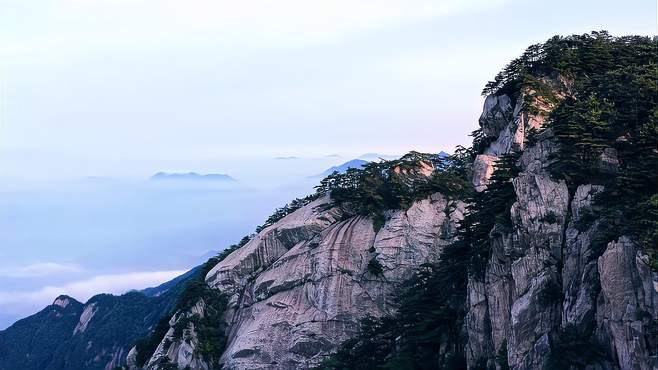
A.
pixel 210 328
pixel 396 184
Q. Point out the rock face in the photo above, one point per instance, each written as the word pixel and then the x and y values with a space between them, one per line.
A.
pixel 550 280
pixel 180 352
pixel 483 168
pixel 627 305
pixel 301 286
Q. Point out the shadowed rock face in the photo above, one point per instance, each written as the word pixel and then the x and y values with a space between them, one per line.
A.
pixel 547 278
pixel 300 288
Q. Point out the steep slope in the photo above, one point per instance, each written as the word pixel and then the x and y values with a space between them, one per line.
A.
pixel 95 335
pixel 507 303
pixel 171 284
pixel 314 293
pixel 31 342
pixel 560 287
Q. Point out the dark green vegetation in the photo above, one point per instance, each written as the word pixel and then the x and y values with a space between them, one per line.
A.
pixel 611 104
pixel 396 184
pixel 611 109
pixel 375 267
pixel 117 324
pixel 146 346
pixel 425 332
pixel 576 349
pixel 48 336
pixel 209 329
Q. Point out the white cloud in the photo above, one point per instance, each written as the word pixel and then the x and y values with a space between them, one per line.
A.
pixel 40 269
pixel 84 289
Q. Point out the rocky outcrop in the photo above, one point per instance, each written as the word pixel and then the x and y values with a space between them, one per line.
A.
pixel 300 287
pixel 85 317
pixel 312 298
pixel 549 279
pixel 628 305
pixel 270 244
pixel 483 168
pixel 506 306
pixel 507 121
pixel 496 115
pixel 180 349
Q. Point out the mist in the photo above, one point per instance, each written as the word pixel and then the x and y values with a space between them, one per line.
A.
pixel 87 235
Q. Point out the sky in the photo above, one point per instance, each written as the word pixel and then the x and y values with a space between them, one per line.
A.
pixel 128 87
pixel 121 89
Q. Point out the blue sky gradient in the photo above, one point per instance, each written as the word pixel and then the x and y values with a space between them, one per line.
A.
pixel 118 87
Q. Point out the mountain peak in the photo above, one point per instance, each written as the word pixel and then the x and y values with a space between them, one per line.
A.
pixel 341 168
pixel 64 300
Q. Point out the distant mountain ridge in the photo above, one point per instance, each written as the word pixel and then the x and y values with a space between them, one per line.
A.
pixel 377 156
pixel 166 286
pixel 192 176
pixel 341 168
pixel 95 335
pixel 359 163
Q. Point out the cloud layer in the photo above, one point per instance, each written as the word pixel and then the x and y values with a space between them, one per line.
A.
pixel 41 269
